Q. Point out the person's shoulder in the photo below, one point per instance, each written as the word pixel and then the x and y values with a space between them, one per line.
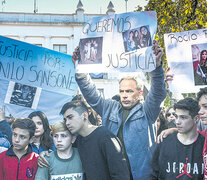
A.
pixel 4 142
pixel 103 130
pixel 201 137
pixel 204 132
pixel 106 136
pixel 170 138
pixel 52 155
pixel 76 153
pixel 33 155
pixel 75 150
pixel 3 154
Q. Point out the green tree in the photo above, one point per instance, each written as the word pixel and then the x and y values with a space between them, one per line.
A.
pixel 176 16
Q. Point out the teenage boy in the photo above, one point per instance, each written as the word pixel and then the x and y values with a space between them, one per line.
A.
pixel 180 154
pixel 19 161
pixel 65 162
pixel 100 151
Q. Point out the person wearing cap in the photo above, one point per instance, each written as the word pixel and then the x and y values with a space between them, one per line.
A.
pixel 65 162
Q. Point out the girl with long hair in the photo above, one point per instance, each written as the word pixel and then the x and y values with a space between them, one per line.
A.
pixel 43 140
pixel 145 40
pixel 203 61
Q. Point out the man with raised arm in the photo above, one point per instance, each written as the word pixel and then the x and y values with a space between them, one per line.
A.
pixel 129 119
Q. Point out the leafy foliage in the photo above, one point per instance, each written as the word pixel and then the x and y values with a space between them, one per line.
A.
pixel 176 16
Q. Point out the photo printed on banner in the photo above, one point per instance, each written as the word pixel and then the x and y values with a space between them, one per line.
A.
pixel 137 38
pixel 91 50
pixel 22 95
pixel 199 58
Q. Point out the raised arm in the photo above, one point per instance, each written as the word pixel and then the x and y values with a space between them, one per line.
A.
pixel 88 89
pixel 157 92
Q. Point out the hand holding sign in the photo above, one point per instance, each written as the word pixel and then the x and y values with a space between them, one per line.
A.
pixel 76 55
pixel 158 51
pixel 119 43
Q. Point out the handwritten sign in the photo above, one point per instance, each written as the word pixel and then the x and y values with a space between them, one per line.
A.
pixel 187 58
pixel 36 66
pixel 120 42
pixel 34 78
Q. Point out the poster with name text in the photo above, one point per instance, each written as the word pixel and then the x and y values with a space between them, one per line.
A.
pixel 187 58
pixel 34 78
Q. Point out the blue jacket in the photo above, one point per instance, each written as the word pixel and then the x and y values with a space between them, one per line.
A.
pixel 139 128
pixel 5 128
pixel 41 148
pixel 4 143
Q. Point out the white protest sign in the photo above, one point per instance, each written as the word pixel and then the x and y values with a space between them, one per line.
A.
pixel 187 58
pixel 120 42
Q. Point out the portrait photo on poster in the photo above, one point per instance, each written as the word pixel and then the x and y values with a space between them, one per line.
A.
pixel 22 95
pixel 137 38
pixel 91 50
pixel 199 59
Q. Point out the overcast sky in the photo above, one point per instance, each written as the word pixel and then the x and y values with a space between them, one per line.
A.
pixel 69 6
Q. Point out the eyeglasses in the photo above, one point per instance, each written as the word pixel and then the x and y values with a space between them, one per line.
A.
pixel 169 114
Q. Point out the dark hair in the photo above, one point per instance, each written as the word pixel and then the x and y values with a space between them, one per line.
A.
pixel 136 31
pixel 77 105
pixel 203 91
pixel 45 139
pixel 188 104
pixel 163 122
pixel 116 97
pixel 78 97
pixel 202 61
pixel 25 123
pixel 168 109
pixel 92 113
pixel 202 53
pixel 148 33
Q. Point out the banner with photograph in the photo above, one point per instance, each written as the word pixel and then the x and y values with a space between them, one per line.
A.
pixel 34 78
pixel 120 42
pixel 187 58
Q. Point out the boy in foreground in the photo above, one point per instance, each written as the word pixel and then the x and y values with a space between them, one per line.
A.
pixel 100 151
pixel 19 161
pixel 65 162
pixel 179 156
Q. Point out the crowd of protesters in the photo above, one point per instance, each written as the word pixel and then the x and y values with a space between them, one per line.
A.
pixel 105 139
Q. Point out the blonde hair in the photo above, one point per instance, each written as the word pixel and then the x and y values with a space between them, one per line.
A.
pixel 59 127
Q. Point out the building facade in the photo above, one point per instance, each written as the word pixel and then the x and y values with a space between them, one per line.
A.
pixel 59 32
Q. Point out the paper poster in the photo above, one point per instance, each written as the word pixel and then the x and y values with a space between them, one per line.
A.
pixel 34 78
pixel 187 58
pixel 118 43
